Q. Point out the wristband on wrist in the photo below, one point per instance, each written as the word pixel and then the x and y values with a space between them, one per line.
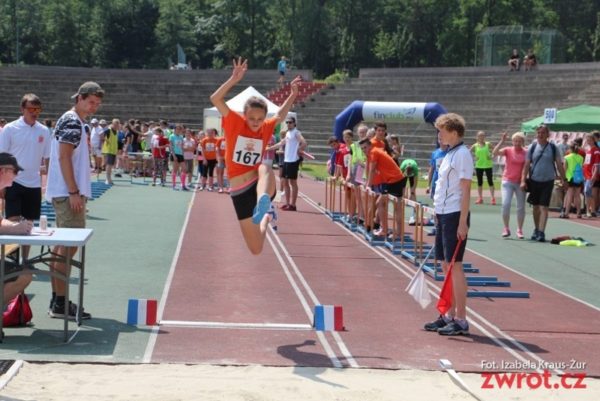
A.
pixel 74 193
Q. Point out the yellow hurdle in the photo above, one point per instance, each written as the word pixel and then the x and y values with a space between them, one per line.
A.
pixel 397 222
pixel 333 201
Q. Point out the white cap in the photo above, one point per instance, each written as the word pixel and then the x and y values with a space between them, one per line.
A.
pixel 94 121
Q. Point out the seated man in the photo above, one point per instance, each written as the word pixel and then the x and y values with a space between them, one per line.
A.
pixel 15 285
pixel 530 61
pixel 514 62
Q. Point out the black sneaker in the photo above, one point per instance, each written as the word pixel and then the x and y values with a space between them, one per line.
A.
pixel 454 329
pixel 436 324
pixel 541 237
pixel 534 236
pixel 58 311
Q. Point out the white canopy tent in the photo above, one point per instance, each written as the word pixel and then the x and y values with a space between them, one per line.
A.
pixel 212 117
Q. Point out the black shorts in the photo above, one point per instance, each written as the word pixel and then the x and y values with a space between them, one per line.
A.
pixel 574 185
pixel 209 169
pixel 110 159
pixel 488 173
pixel 282 73
pixel 290 170
pixel 176 156
pixel 244 200
pixel 446 227
pixel 540 193
pixel 396 188
pixel 23 201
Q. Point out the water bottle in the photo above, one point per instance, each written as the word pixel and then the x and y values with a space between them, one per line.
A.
pixel 43 222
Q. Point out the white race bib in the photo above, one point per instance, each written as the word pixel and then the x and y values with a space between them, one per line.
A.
pixel 247 151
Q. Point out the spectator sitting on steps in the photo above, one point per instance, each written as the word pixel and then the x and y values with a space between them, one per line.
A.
pixel 514 62
pixel 530 61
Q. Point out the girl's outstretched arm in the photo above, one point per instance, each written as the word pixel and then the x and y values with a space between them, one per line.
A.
pixel 285 108
pixel 240 67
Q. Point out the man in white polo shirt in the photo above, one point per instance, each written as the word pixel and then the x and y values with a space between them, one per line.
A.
pixel 29 142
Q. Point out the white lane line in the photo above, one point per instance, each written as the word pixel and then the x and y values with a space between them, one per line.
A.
pixel 163 299
pixel 322 339
pixel 338 339
pixel 10 373
pixel 405 269
pixel 228 325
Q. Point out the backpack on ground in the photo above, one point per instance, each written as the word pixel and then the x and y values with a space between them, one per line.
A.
pixel 18 312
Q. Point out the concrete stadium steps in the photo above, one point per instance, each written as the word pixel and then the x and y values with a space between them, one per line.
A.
pixel 491 99
pixel 179 96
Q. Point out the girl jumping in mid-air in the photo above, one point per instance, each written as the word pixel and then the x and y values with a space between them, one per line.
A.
pixel 252 184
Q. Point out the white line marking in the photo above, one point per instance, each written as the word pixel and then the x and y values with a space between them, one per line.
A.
pixel 447 366
pixel 11 373
pixel 227 325
pixel 340 343
pixel 163 299
pixel 402 267
pixel 322 339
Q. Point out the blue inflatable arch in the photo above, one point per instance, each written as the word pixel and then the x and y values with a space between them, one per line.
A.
pixel 360 110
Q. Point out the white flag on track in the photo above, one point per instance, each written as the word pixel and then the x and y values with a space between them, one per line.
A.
pixel 417 288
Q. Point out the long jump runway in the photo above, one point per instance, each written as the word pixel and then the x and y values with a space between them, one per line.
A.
pixel 225 306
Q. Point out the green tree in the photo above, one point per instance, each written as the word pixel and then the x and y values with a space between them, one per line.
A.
pixel 385 49
pixel 594 45
pixel 123 33
pixel 65 29
pixel 176 25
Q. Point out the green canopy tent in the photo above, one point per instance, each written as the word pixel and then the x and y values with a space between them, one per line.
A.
pixel 582 118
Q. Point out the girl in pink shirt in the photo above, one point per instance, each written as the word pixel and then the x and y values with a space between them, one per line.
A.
pixel 511 180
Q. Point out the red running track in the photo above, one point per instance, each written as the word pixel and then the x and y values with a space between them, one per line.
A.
pixel 313 260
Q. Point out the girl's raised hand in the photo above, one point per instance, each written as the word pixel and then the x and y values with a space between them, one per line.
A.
pixel 295 84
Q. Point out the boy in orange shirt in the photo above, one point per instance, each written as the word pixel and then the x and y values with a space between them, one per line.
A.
pixel 383 171
pixel 252 183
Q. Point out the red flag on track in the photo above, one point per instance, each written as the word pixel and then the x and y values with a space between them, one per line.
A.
pixel 446 294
